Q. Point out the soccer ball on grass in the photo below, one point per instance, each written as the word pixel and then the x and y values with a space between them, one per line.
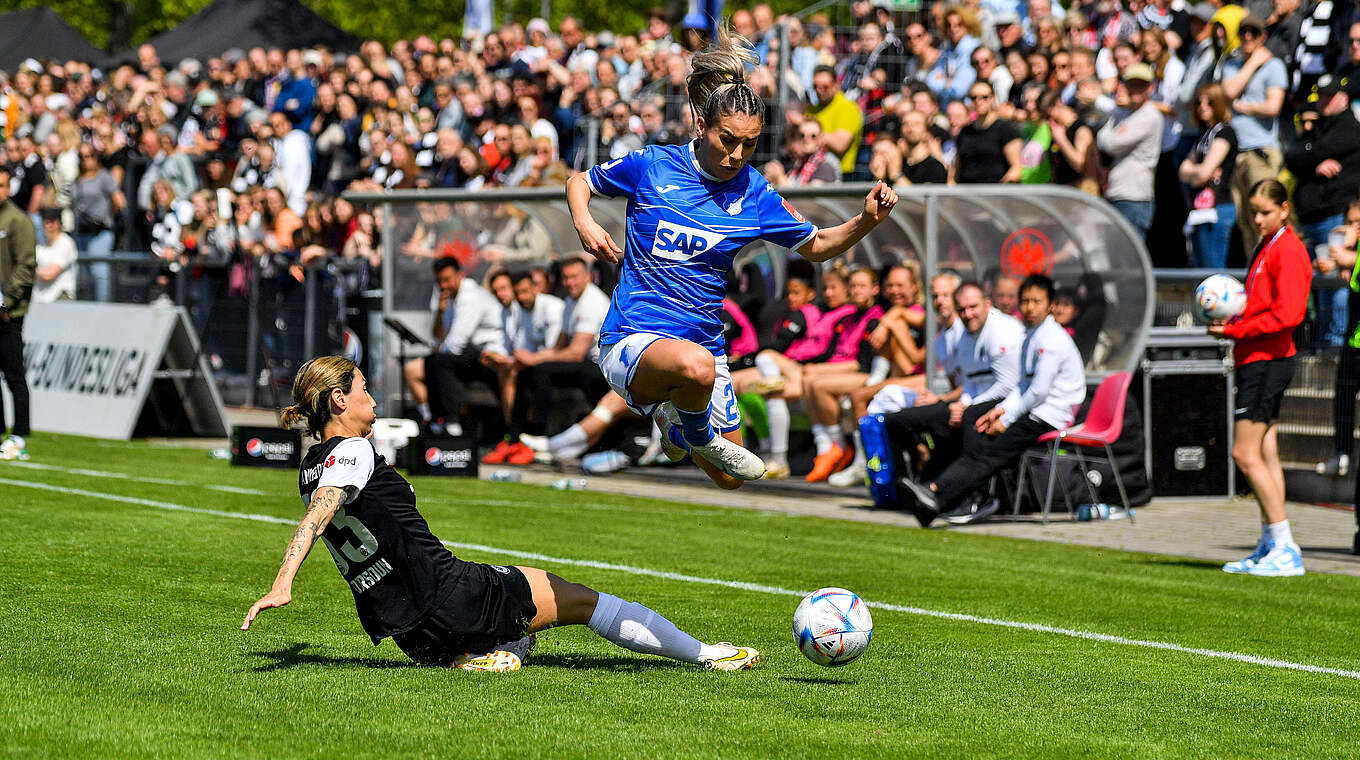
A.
pixel 832 627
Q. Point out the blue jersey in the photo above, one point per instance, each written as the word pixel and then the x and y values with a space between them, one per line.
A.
pixel 684 228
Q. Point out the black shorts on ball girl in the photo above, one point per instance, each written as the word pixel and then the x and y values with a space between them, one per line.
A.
pixel 490 605
pixel 1260 389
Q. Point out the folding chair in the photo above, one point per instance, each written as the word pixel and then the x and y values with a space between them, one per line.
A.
pixel 1103 425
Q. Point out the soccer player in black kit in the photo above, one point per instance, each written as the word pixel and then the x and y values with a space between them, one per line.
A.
pixel 439 610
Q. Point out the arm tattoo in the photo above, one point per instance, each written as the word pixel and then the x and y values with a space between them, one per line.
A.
pixel 305 535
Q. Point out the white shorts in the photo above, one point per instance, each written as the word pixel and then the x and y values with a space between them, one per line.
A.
pixel 618 362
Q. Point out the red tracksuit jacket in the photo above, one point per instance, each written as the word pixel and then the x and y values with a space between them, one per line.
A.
pixel 1277 299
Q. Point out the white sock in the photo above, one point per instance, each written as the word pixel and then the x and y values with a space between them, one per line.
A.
pixel 777 410
pixel 878 370
pixel 837 437
pixel 859 450
pixel 570 443
pixel 1279 532
pixel 424 411
pixel 821 437
pixel 767 366
pixel 639 629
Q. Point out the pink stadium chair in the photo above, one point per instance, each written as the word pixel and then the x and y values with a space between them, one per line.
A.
pixel 1103 425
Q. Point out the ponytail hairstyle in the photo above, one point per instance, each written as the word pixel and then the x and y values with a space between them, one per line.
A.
pixel 312 392
pixel 717 83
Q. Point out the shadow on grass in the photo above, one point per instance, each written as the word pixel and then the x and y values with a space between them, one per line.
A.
pixel 1338 552
pixel 597 662
pixel 1199 564
pixel 818 681
pixel 296 655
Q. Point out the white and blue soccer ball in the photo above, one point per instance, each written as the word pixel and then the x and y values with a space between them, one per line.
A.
pixel 1220 297
pixel 832 627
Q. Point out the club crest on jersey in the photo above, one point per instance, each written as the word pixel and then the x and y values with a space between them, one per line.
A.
pixel 677 242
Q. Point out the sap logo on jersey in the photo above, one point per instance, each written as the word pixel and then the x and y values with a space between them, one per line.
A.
pixel 677 242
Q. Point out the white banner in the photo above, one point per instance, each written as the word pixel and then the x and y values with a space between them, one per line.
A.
pixel 91 365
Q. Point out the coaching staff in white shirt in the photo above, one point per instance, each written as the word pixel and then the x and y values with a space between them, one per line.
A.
pixel 1052 384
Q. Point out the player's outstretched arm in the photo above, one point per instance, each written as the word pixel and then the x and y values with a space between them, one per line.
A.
pixel 594 239
pixel 325 502
pixel 833 241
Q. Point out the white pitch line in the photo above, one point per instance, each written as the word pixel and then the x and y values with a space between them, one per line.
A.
pixel 137 478
pixel 1250 659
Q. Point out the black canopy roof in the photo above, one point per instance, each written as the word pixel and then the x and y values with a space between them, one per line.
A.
pixel 42 33
pixel 245 24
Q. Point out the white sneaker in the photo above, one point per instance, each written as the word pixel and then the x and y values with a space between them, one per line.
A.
pixel 851 476
pixel 539 443
pixel 1281 561
pixel 13 448
pixel 731 458
pixel 737 658
pixel 668 422
pixel 1246 563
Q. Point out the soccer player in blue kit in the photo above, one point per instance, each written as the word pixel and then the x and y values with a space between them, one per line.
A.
pixel 691 208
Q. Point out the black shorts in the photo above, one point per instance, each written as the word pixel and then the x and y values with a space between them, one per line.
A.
pixel 489 606
pixel 1260 389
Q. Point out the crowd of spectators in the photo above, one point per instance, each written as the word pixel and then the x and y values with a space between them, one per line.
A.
pixel 1169 110
pixel 234 166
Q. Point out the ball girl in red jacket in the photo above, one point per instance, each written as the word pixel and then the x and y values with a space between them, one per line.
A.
pixel 1277 286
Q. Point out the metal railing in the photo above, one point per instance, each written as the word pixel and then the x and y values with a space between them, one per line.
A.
pixel 977 230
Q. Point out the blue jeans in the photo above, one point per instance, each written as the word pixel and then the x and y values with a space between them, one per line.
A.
pixel 1331 303
pixel 98 244
pixel 1209 242
pixel 1139 214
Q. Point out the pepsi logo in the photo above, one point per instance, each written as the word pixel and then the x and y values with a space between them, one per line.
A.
pixel 254 447
pixel 432 456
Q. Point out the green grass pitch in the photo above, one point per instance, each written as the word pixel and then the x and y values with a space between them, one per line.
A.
pixel 119 624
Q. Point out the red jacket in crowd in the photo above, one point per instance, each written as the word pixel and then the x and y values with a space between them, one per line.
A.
pixel 1277 299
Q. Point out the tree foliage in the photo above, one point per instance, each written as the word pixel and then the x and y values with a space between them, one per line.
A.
pixel 119 24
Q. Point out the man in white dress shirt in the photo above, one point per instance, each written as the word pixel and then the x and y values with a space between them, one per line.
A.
pixel 1052 385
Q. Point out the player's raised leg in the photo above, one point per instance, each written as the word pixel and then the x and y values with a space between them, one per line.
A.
pixel 630 625
pixel 683 373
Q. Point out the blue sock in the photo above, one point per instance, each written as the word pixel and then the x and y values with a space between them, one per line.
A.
pixel 677 437
pixel 698 431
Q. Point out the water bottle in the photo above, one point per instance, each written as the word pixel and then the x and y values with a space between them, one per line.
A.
pixel 604 462
pixel 1102 512
pixel 507 476
pixel 219 454
pixel 569 484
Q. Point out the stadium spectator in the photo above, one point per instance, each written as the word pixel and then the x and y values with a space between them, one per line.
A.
pixel 919 162
pixel 533 323
pixel 467 323
pixel 841 120
pixel 986 358
pixel 1255 82
pixel 1208 172
pixel 1075 159
pixel 1133 138
pixel 1277 298
pixel 27 173
pixel 18 259
pixel 952 74
pixel 1052 384
pixel 988 147
pixel 54 277
pixel 571 360
pixel 95 203
pixel 1325 160
pixel 807 160
pixel 1340 262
